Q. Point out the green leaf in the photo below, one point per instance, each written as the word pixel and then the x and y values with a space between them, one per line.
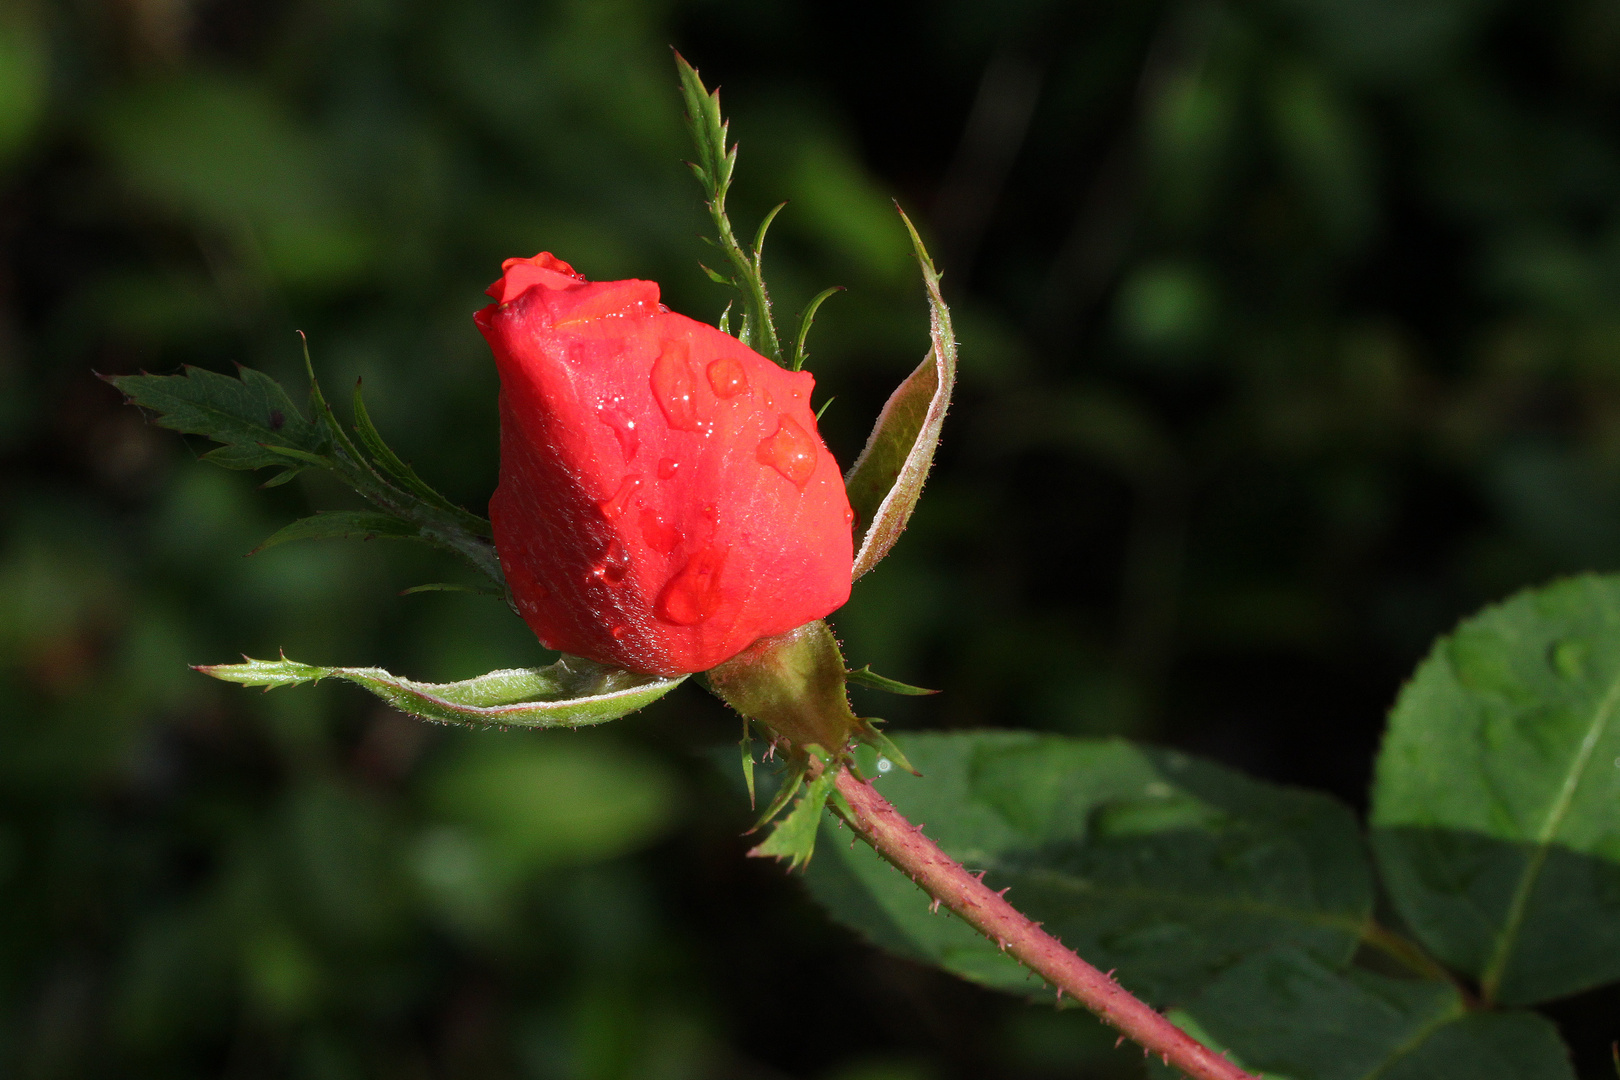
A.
pixel 1496 794
pixel 573 692
pixel 871 679
pixel 251 415
pixel 259 426
pixel 1167 868
pixel 1288 1014
pixel 1291 1017
pixel 887 479
pixel 341 525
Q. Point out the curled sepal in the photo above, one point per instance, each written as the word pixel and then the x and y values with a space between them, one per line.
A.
pixel 888 477
pixel 794 837
pixel 573 692
pixel 885 746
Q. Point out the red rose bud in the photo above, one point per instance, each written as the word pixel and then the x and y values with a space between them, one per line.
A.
pixel 665 499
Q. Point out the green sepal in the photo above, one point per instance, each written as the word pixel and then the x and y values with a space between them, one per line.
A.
pixel 870 679
pixel 747 748
pixel 717 277
pixel 873 737
pixel 794 838
pixel 573 692
pixel 792 686
pixel 792 780
pixel 887 479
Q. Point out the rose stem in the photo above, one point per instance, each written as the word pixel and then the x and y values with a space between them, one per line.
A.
pixel 904 845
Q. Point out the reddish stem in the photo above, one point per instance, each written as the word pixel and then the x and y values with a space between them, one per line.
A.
pixel 904 845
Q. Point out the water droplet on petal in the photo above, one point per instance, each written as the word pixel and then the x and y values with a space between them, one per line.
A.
pixel 624 428
pixel 693 594
pixel 618 630
pixel 660 537
pixel 727 377
pixel 614 506
pixel 849 517
pixel 614 566
pixel 667 467
pixel 790 451
pixel 674 388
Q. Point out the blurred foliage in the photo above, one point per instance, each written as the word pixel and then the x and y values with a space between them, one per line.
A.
pixel 1288 335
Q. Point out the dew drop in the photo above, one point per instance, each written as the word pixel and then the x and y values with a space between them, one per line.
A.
pixel 618 630
pixel 614 506
pixel 612 569
pixel 849 517
pixel 660 537
pixel 727 377
pixel 667 467
pixel 790 451
pixel 624 429
pixel 693 594
pixel 674 388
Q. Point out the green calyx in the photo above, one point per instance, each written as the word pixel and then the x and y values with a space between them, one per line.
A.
pixel 795 687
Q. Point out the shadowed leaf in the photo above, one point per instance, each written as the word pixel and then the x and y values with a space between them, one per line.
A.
pixel 1496 793
pixel 1167 868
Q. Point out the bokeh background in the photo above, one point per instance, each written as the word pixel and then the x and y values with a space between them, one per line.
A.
pixel 1289 335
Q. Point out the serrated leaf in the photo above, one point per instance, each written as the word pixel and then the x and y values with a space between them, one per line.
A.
pixel 1162 866
pixel 341 525
pixel 1290 1017
pixel 1496 793
pixel 887 479
pixel 794 837
pixel 573 692
pixel 251 415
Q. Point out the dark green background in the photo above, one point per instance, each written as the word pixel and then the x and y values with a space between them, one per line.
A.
pixel 1289 335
